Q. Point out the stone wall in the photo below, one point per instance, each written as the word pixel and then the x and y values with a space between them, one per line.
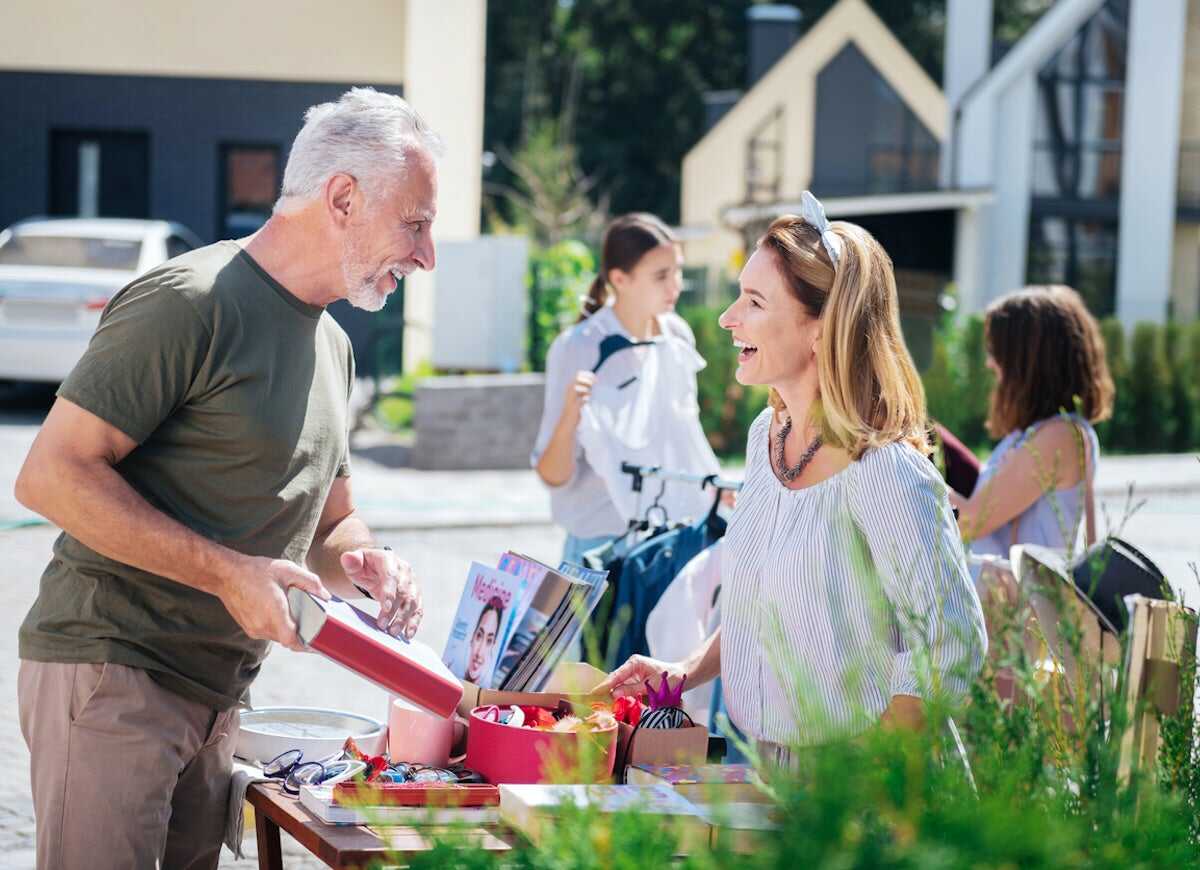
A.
pixel 476 421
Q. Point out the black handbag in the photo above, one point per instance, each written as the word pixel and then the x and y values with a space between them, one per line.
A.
pixel 1108 571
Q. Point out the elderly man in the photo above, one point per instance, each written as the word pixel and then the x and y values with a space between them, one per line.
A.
pixel 197 460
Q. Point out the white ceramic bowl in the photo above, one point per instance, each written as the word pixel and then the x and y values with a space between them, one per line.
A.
pixel 318 733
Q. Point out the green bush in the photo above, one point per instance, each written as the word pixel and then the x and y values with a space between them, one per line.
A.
pixel 977 385
pixel 958 382
pixel 1189 371
pixel 726 407
pixel 1117 430
pixel 558 278
pixel 1044 790
pixel 1149 388
pixel 1156 376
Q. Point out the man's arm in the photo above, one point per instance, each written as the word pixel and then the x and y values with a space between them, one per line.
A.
pixel 69 478
pixel 349 562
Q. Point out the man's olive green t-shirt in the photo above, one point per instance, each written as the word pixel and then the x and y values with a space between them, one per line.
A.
pixel 237 394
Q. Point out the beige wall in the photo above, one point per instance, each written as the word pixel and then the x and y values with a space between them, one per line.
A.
pixel 1185 265
pixel 1185 272
pixel 287 40
pixel 1189 120
pixel 714 170
pixel 444 81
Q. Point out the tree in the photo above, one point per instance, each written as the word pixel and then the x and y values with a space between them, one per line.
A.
pixel 642 68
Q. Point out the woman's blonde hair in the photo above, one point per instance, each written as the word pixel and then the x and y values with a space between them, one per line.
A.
pixel 870 392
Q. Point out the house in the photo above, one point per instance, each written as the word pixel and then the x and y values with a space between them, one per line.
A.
pixel 845 111
pixel 1071 157
pixel 1088 132
pixel 186 110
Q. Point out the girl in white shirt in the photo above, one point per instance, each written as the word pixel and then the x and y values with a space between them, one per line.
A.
pixel 845 592
pixel 633 295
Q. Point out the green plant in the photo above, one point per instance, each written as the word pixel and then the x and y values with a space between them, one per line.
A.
pixel 394 412
pixel 1117 430
pixel 558 278
pixel 1045 788
pixel 1149 386
pixel 957 382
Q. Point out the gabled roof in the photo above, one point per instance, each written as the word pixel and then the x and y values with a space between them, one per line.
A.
pixel 849 21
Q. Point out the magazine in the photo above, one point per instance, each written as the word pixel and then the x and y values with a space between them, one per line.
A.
pixel 492 602
pixel 516 621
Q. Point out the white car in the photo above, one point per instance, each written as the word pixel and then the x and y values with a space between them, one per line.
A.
pixel 56 276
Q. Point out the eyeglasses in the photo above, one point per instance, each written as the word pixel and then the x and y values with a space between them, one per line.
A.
pixel 295 772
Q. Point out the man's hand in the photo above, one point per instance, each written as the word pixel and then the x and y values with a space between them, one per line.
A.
pixel 255 594
pixel 390 581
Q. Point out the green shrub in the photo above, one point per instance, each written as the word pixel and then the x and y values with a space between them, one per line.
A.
pixel 1149 387
pixel 1044 792
pixel 943 385
pixel 957 382
pixel 977 382
pixel 558 278
pixel 1116 432
pixel 1182 390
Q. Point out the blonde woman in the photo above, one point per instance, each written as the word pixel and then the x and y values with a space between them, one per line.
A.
pixel 846 595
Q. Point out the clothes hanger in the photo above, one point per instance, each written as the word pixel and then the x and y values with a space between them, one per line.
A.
pixel 613 344
pixel 657 504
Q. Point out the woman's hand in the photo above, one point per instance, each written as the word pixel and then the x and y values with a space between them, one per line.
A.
pixel 631 677
pixel 579 390
pixel 904 713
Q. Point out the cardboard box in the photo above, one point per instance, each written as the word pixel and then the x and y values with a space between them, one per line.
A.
pixel 571 681
pixel 660 746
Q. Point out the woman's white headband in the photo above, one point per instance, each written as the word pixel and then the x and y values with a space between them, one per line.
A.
pixel 813 214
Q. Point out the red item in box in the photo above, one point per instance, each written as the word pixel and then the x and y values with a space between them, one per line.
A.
pixel 509 754
pixel 628 709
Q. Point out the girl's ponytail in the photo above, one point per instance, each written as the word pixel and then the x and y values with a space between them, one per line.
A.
pixel 597 298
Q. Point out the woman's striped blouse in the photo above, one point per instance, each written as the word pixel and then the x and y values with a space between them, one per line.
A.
pixel 839 596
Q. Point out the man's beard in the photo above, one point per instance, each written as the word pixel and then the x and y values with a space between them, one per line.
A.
pixel 362 284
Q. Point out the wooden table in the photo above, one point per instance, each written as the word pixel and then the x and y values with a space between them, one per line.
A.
pixel 348 846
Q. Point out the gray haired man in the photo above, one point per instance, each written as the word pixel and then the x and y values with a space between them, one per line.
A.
pixel 197 461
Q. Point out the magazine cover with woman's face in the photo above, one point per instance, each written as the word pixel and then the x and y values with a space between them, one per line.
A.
pixel 482 624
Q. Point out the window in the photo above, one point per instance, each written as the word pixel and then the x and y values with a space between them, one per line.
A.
pixel 867 140
pixel 27 249
pixel 1076 184
pixel 1081 96
pixel 99 173
pixel 177 245
pixel 249 186
pixel 1079 253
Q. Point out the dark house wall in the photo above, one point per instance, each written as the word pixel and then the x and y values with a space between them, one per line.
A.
pixel 185 121
pixel 867 140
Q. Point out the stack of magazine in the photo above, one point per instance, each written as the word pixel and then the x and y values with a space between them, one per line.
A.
pixel 517 620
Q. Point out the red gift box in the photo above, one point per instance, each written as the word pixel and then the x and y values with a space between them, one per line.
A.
pixel 509 754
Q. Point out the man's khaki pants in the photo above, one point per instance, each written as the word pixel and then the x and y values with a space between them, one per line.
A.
pixel 126 774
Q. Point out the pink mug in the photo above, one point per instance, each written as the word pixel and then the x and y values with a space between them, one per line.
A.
pixel 418 736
